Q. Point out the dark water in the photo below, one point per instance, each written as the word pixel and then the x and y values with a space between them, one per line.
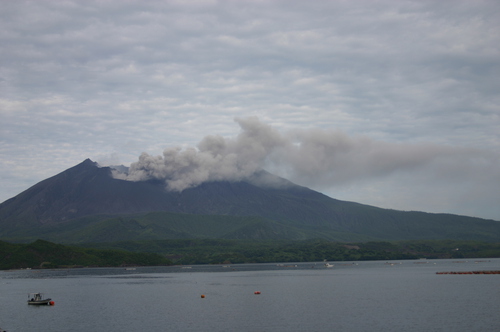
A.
pixel 362 296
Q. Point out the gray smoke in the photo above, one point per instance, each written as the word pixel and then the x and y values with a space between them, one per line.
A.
pixel 316 158
pixel 216 158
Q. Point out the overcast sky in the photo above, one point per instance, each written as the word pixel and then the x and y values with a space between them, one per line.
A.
pixel 389 103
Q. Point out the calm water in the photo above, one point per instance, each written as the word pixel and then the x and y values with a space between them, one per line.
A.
pixel 362 296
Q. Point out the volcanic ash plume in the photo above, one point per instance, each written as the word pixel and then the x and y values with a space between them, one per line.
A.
pixel 315 158
pixel 216 158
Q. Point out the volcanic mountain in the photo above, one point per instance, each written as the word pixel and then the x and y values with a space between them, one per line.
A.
pixel 87 204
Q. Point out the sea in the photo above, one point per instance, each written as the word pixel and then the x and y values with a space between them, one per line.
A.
pixel 405 295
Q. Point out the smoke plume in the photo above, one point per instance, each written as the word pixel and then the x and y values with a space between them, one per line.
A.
pixel 315 158
pixel 216 158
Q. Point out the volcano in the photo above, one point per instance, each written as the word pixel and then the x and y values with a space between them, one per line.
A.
pixel 86 203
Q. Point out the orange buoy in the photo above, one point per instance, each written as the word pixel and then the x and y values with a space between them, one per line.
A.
pixel 202 296
pixel 256 293
pixel 52 303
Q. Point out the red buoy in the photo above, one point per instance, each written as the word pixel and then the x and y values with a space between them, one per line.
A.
pixel 202 296
pixel 256 293
pixel 52 303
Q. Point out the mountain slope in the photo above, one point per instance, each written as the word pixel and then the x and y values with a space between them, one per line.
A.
pixel 78 199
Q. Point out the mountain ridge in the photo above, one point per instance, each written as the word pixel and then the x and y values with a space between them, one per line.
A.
pixel 86 191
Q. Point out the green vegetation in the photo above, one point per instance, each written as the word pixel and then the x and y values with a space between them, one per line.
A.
pixel 165 225
pixel 211 251
pixel 159 226
pixel 43 254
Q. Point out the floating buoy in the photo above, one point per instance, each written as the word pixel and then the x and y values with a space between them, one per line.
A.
pixel 52 303
pixel 256 293
pixel 202 296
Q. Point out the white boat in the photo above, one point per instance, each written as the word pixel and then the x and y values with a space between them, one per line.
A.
pixel 329 265
pixel 37 299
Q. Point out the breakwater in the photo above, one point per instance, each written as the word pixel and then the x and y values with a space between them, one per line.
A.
pixel 470 272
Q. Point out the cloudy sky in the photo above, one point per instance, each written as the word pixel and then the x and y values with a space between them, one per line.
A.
pixel 389 103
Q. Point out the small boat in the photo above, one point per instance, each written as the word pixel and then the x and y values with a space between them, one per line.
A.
pixel 37 299
pixel 329 265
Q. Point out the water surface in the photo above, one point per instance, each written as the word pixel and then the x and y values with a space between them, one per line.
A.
pixel 350 296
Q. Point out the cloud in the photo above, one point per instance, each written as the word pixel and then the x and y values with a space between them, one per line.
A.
pixel 332 157
pixel 114 78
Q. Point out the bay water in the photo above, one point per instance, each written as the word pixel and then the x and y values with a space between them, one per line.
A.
pixel 350 296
